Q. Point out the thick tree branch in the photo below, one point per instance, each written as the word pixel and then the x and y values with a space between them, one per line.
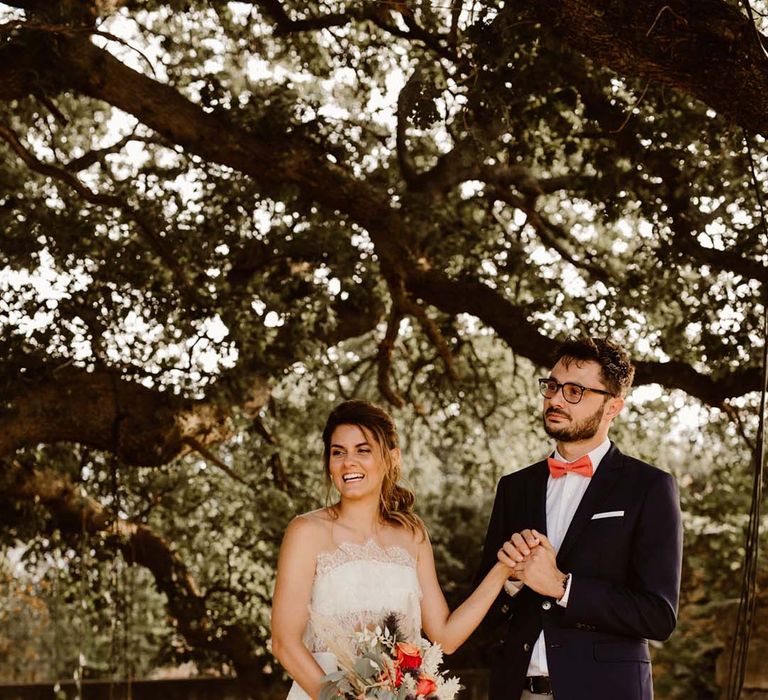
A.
pixel 706 48
pixel 144 426
pixel 289 160
pixel 659 163
pixel 716 259
pixel 98 409
pixel 376 13
pixel 285 24
pixel 83 11
pixel 685 234
pixel 525 339
pixel 28 5
pixel 712 390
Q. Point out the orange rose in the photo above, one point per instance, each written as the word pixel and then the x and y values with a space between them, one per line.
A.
pixel 425 686
pixel 408 656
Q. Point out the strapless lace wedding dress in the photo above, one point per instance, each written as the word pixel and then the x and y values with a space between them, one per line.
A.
pixel 356 586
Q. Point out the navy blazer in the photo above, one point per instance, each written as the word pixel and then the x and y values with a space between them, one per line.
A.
pixel 624 588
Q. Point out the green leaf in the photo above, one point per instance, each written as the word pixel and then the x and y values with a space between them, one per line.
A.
pixel 329 691
pixel 366 668
pixel 333 677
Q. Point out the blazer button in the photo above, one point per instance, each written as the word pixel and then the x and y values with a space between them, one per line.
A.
pixel 526 647
pixel 505 608
pixel 546 605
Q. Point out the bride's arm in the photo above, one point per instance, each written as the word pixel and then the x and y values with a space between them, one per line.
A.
pixel 290 604
pixel 451 629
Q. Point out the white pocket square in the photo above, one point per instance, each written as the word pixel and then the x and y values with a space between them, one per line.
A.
pixel 608 514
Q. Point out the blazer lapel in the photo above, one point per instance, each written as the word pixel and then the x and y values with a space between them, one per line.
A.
pixel 600 486
pixel 537 497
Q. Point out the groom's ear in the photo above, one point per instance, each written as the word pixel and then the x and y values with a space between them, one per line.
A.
pixel 615 406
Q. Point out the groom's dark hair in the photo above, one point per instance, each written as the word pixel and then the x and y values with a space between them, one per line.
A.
pixel 616 369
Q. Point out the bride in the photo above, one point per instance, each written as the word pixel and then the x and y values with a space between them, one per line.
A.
pixel 365 556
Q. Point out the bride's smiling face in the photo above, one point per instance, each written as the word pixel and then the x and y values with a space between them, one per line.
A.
pixel 356 463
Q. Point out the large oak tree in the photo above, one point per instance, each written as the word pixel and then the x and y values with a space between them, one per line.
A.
pixel 197 196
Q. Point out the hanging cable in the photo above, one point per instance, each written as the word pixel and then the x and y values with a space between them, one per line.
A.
pixel 59 564
pixel 130 597
pixel 85 552
pixel 748 599
pixel 118 652
pixel 115 584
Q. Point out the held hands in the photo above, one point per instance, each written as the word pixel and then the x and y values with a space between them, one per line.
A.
pixel 532 559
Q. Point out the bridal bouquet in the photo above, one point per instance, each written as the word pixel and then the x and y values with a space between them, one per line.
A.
pixel 386 667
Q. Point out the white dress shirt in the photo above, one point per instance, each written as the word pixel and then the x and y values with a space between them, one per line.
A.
pixel 563 498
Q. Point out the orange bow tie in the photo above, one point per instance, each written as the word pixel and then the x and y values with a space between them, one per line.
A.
pixel 581 466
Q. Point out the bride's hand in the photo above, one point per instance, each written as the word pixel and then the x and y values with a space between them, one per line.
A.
pixel 518 548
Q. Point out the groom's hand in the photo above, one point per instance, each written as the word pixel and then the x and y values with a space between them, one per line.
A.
pixel 539 570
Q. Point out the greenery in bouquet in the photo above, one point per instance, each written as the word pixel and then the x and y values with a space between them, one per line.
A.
pixel 384 666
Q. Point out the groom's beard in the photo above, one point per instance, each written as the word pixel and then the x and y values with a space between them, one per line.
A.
pixel 575 431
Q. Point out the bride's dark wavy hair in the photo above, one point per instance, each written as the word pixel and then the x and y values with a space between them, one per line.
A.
pixel 396 500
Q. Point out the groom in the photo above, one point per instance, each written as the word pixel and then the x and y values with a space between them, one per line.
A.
pixel 595 539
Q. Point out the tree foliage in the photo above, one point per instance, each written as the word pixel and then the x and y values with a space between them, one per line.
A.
pixel 218 218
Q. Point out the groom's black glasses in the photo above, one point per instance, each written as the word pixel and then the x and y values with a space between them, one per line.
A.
pixel 572 392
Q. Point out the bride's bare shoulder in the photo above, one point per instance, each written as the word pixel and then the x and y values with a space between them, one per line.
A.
pixel 320 519
pixel 312 528
pixel 325 515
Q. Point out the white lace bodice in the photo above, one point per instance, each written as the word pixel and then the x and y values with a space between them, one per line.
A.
pixel 356 586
